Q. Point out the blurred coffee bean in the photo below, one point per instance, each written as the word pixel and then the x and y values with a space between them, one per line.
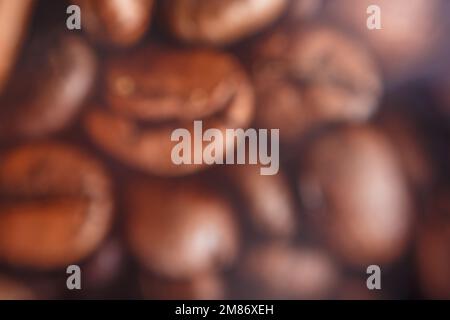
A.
pixel 161 83
pixel 433 256
pixel 219 22
pixel 14 19
pixel 55 206
pixel 352 185
pixel 268 199
pixel 278 271
pixel 205 286
pixel 11 289
pixel 48 87
pixel 310 77
pixel 116 22
pixel 410 144
pixel 153 91
pixel 179 229
pixel 410 30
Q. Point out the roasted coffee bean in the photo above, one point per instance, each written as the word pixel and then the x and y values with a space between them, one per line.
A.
pixel 433 255
pixel 116 22
pixel 55 206
pixel 10 289
pixel 408 139
pixel 14 18
pixel 305 79
pixel 278 271
pixel 219 22
pixel 207 286
pixel 352 185
pixel 153 91
pixel 192 232
pixel 268 200
pixel 410 30
pixel 48 87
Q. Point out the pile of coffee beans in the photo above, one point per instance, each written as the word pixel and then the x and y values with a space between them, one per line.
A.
pixel 92 204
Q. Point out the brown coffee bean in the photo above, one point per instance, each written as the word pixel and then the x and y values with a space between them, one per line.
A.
pixel 219 22
pixel 410 30
pixel 208 286
pixel 308 78
pixel 116 22
pixel 179 229
pixel 14 19
pixel 353 187
pixel 11 289
pixel 268 199
pixel 49 86
pixel 154 91
pixel 433 256
pixel 410 144
pixel 278 271
pixel 55 206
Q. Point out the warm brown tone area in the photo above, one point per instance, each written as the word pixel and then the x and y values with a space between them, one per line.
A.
pixel 155 90
pixel 56 205
pixel 116 22
pixel 87 177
